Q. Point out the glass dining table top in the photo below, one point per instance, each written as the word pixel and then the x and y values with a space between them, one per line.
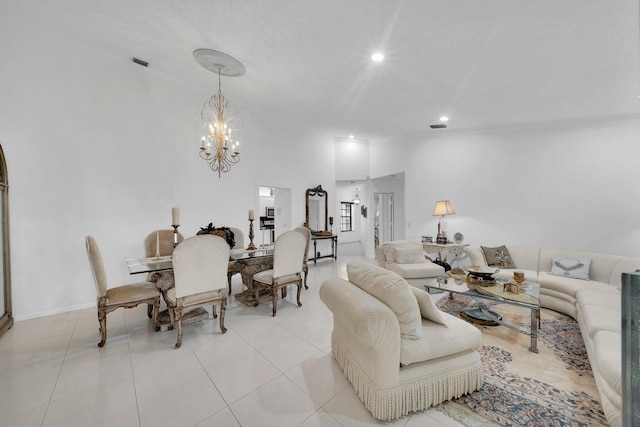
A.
pixel 151 264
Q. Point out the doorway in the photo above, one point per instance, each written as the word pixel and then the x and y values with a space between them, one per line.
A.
pixel 383 219
pixel 274 213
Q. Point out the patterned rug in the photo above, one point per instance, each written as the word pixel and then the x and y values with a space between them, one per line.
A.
pixel 526 389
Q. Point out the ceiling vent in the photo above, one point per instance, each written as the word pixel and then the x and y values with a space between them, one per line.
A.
pixel 140 62
pixel 438 126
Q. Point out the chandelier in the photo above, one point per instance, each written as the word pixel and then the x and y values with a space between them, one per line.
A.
pixel 219 146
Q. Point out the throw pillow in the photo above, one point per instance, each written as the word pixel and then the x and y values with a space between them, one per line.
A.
pixel 408 254
pixel 498 257
pixel 428 309
pixel 576 268
pixel 393 291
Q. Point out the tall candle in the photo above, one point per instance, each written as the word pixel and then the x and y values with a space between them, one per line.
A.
pixel 251 214
pixel 157 244
pixel 175 215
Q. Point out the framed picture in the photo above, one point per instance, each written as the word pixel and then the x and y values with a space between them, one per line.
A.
pixel 270 212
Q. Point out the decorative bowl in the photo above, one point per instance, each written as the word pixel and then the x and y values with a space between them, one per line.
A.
pixel 481 270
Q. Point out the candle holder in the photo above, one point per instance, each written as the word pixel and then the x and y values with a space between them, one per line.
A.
pixel 251 246
pixel 331 224
pixel 175 235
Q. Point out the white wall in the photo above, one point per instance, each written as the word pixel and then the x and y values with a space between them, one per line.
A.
pixel 571 185
pixel 352 159
pixel 98 145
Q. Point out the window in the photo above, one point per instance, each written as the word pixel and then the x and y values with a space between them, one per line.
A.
pixel 346 216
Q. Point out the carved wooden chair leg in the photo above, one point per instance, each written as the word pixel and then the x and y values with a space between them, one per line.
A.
pixel 156 311
pixel 102 318
pixel 305 269
pixel 149 310
pixel 299 291
pixel 223 309
pixel 215 315
pixel 178 315
pixel 274 300
pixel 229 281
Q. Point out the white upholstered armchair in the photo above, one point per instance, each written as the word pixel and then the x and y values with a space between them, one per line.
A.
pixel 200 268
pixel 400 353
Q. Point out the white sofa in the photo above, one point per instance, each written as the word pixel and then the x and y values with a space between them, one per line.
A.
pixel 400 353
pixel 406 257
pixel 595 303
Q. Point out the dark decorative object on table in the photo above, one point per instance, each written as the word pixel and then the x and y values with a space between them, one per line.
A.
pixel 223 232
pixel 442 264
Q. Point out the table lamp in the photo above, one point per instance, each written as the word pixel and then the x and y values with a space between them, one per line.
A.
pixel 443 207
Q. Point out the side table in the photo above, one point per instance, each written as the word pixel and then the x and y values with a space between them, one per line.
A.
pixel 454 249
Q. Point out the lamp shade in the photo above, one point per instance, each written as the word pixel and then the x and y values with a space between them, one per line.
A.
pixel 443 207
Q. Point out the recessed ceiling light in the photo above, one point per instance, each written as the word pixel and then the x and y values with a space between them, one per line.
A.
pixel 351 137
pixel 444 119
pixel 377 57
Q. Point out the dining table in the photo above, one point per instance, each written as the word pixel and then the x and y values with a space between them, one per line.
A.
pixel 247 263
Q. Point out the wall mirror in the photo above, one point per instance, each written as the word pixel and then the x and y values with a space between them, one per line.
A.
pixel 316 202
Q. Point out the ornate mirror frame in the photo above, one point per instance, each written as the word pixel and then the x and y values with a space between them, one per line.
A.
pixel 6 315
pixel 317 191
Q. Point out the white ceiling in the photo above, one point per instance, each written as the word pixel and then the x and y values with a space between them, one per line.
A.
pixel 482 63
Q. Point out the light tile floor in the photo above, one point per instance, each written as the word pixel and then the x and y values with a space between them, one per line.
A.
pixel 265 371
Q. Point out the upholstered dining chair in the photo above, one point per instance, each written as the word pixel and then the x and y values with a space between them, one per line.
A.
pixel 238 237
pixel 165 237
pixel 164 279
pixel 287 268
pixel 200 270
pixel 126 296
pixel 305 267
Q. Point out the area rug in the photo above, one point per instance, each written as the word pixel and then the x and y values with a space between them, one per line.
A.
pixel 552 388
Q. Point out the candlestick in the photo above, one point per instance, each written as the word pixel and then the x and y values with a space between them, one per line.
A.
pixel 175 216
pixel 175 235
pixel 251 246
pixel 251 215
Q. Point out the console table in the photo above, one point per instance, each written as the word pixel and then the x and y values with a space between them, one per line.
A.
pixel 334 247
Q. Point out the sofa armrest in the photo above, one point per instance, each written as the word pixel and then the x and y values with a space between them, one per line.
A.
pixel 364 316
pixel 476 256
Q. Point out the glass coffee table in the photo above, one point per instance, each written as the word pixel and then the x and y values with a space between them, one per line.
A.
pixel 488 296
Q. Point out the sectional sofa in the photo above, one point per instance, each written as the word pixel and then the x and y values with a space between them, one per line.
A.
pixel 585 286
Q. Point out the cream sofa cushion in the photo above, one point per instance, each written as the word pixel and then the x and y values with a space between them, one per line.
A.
pixel 416 271
pixel 428 309
pixel 389 248
pixel 608 355
pixel 408 254
pixel 393 291
pixel 453 337
pixel 568 285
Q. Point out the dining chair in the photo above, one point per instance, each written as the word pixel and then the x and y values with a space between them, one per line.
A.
pixel 238 237
pixel 164 279
pixel 287 267
pixel 200 270
pixel 126 296
pixel 305 267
